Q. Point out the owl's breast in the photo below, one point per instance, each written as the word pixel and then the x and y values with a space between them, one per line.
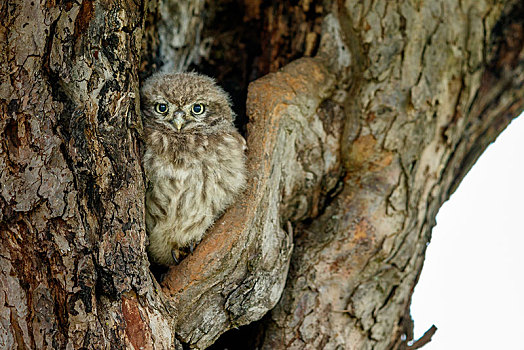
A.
pixel 191 186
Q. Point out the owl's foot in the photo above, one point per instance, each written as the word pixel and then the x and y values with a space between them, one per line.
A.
pixel 180 253
pixel 176 255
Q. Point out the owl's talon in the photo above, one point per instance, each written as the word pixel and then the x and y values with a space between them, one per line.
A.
pixel 191 247
pixel 174 255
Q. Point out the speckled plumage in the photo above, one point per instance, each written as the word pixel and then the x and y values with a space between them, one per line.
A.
pixel 194 172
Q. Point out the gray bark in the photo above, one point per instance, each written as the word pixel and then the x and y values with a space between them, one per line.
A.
pixel 352 150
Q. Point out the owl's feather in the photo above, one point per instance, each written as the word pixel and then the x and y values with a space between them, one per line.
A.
pixel 194 173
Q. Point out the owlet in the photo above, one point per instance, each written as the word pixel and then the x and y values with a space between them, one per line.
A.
pixel 194 160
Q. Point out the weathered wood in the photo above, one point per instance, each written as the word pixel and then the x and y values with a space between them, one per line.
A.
pixel 72 228
pixel 423 107
pixel 238 272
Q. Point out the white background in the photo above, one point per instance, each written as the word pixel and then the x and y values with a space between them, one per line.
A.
pixel 472 283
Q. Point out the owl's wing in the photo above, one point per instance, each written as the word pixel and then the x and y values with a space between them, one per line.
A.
pixel 241 140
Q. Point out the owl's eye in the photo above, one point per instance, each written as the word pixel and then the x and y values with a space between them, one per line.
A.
pixel 197 109
pixel 161 108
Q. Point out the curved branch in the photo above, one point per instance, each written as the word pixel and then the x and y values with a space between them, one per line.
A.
pixel 238 271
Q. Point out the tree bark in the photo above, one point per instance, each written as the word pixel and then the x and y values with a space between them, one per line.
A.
pixel 363 119
pixel 74 272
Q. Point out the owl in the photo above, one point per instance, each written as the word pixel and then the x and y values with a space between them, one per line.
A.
pixel 194 161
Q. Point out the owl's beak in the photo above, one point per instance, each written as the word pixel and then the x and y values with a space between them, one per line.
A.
pixel 179 119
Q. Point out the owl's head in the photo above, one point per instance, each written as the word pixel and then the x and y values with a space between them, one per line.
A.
pixel 185 102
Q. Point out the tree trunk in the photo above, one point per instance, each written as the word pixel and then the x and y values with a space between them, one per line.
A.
pixel 361 119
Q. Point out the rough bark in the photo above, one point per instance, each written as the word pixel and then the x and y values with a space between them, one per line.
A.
pixel 73 267
pixel 351 153
pixel 422 108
